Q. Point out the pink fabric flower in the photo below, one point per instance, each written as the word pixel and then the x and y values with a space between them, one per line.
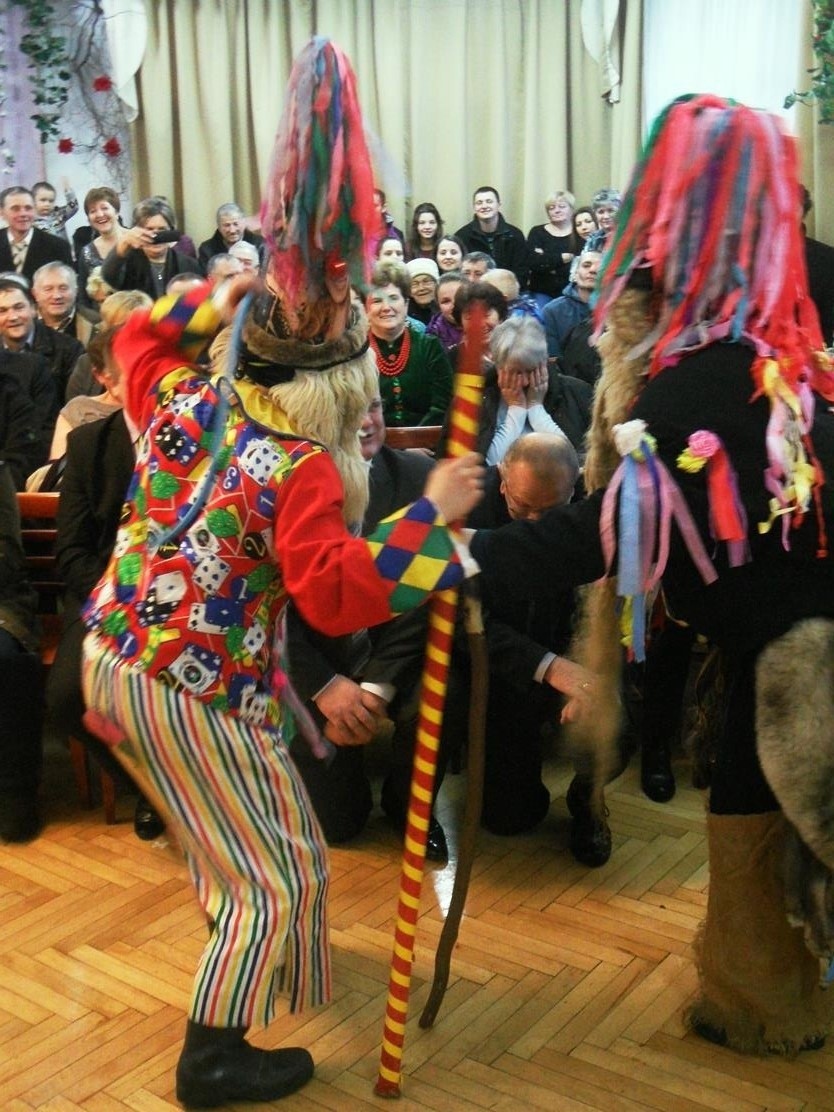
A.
pixel 704 444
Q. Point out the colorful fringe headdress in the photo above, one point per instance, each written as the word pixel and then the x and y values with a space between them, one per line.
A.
pixel 317 213
pixel 710 223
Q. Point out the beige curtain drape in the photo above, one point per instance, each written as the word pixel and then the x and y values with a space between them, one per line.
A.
pixel 459 93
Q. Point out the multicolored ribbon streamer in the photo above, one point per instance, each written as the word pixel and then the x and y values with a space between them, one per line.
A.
pixel 727 516
pixel 463 431
pixel 645 499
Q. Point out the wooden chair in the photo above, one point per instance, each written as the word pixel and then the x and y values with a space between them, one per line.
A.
pixel 413 436
pixel 38 531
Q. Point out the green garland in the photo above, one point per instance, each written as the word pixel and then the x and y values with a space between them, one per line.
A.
pixel 49 75
pixel 822 86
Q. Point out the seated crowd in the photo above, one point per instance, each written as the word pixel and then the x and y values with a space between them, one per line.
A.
pixel 62 429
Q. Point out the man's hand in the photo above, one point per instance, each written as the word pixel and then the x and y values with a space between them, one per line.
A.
pixel 575 683
pixel 353 715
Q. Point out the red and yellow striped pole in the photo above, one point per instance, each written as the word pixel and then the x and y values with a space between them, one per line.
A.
pixel 463 432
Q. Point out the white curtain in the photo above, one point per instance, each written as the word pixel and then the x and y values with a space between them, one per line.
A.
pixel 755 51
pixel 460 92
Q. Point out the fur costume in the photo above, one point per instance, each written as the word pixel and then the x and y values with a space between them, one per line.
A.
pixel 707 415
pixel 795 740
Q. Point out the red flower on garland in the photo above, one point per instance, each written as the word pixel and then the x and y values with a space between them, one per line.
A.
pixel 65 146
pixel 102 84
pixel 112 147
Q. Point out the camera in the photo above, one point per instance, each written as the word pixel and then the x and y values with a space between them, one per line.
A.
pixel 169 236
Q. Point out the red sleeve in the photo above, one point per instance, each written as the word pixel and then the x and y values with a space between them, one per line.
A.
pixel 329 574
pixel 156 341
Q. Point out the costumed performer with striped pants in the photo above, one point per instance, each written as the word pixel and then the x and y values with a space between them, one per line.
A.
pixel 242 497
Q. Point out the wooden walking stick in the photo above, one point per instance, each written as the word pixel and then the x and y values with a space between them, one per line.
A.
pixel 463 431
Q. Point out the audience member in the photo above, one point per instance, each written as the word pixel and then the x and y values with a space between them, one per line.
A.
pixel 50 217
pixel 247 255
pixel 114 310
pixel 231 229
pixel 83 409
pixel 54 288
pixel 423 277
pixel 143 258
pixel 23 436
pixel 21 331
pixel 99 466
pixel 584 223
pixel 518 303
pixel 426 231
pixel 552 247
pixel 561 314
pixel 355 684
pixel 449 254
pixel 523 395
pixel 475 264
pixel 415 377
pixel 580 358
pixel 489 232
pixel 222 266
pixel 606 205
pixel 390 249
pixel 528 675
pixel 387 229
pixel 21 679
pixel 101 204
pixel 494 306
pixel 23 247
pixel 442 324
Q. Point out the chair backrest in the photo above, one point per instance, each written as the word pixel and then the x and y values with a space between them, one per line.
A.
pixel 38 532
pixel 413 436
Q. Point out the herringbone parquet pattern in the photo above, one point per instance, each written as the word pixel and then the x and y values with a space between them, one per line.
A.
pixel 567 987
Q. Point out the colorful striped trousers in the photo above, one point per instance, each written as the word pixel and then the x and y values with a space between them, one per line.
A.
pixel 251 839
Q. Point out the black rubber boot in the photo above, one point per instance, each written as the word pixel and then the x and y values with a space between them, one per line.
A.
pixel 656 776
pixel 217 1066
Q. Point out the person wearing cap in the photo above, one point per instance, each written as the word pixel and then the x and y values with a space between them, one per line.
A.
pixel 415 377
pixel 422 302
pixel 715 407
pixel 245 494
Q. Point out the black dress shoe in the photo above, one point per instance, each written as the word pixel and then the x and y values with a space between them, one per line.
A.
pixel 218 1067
pixel 147 822
pixel 436 847
pixel 656 777
pixel 590 834
pixel 20 819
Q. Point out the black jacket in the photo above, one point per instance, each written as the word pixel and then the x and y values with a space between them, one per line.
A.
pixel 216 245
pixel 43 248
pixel 506 245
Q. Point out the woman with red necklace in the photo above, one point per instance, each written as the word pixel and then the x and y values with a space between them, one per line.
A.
pixel 415 377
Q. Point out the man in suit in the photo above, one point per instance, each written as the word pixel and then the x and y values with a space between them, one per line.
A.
pixel 21 331
pixel 527 670
pixel 354 685
pixel 23 247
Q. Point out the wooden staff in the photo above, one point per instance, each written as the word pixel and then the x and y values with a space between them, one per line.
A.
pixel 463 432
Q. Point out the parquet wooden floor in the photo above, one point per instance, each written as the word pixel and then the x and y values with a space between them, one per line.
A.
pixel 567 986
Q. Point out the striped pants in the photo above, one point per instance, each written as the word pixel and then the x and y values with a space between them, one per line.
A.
pixel 251 839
